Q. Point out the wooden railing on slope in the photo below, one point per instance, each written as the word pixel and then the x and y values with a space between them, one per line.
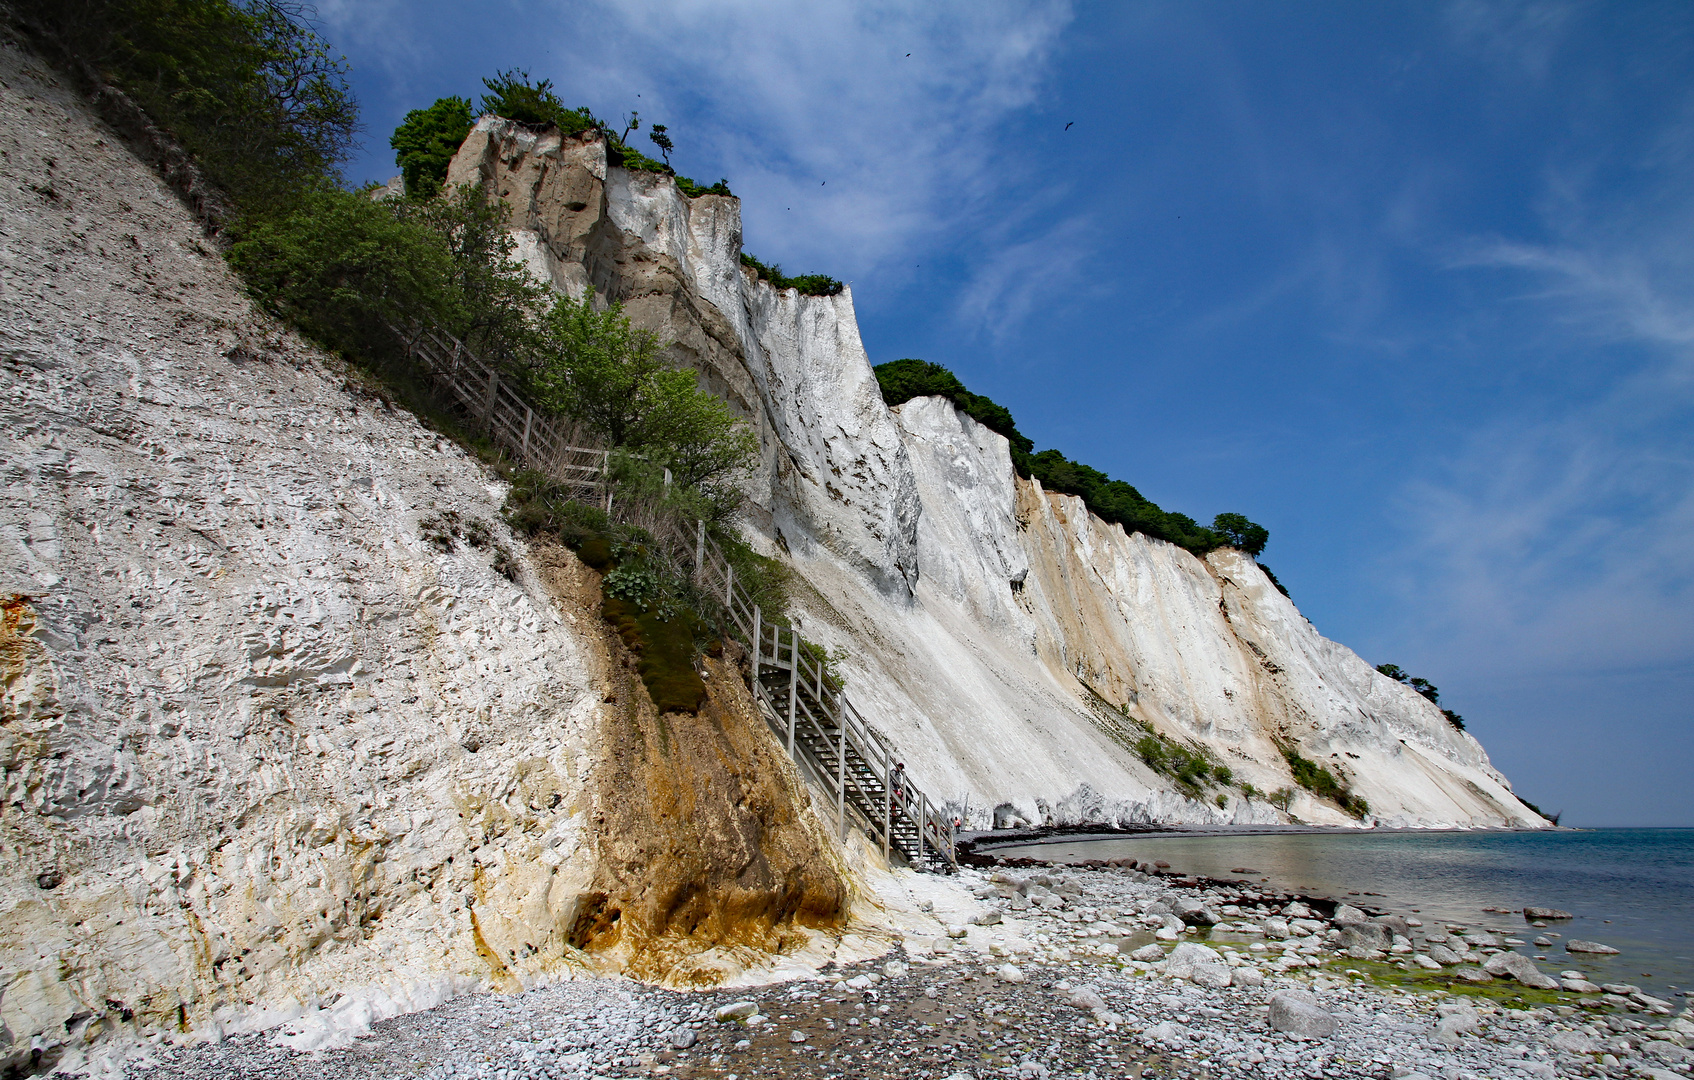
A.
pixel 822 731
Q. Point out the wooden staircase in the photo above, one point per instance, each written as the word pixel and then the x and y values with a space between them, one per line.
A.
pixel 840 753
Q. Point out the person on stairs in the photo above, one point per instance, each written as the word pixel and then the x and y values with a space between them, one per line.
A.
pixel 897 781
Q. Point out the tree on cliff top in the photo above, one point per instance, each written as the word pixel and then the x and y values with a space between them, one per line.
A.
pixel 1241 534
pixel 425 142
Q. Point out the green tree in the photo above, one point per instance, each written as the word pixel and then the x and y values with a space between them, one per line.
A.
pixel 343 268
pixel 609 377
pixel 249 88
pixel 512 95
pixel 1241 534
pixel 1393 671
pixel 662 141
pixel 425 142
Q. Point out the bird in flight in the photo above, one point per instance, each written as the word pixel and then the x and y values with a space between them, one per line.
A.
pixel 1068 126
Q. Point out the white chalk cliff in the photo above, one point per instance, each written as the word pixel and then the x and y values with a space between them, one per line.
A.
pixel 1013 645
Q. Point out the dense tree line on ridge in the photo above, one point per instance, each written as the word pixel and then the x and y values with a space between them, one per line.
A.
pixel 1112 500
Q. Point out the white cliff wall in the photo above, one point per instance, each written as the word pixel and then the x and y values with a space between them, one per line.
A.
pixel 263 739
pixel 1008 641
pixel 287 715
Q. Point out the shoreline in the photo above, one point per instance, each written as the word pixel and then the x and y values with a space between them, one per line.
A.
pixel 991 839
pixel 1035 973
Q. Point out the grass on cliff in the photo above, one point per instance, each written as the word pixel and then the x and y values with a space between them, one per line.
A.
pixel 1321 782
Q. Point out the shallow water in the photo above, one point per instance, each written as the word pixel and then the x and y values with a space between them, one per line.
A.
pixel 1632 889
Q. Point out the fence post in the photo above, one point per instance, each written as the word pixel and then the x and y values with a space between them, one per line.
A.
pixel 923 819
pixel 728 583
pixel 758 648
pixel 887 815
pixel 528 417
pixel 488 409
pixel 700 546
pixel 840 780
pixel 793 682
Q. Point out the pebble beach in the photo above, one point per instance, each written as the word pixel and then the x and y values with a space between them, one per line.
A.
pixel 1036 971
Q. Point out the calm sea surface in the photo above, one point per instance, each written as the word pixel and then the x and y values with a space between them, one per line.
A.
pixel 1632 889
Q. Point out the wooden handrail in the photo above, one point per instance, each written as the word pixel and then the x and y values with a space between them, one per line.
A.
pixel 829 716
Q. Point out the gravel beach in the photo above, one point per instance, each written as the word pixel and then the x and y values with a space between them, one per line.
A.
pixel 1037 972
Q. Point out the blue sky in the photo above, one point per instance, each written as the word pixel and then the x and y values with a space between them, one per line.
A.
pixel 1412 285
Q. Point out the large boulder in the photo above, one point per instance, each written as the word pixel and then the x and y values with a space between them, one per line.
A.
pixel 1194 913
pixel 1593 947
pixel 1444 956
pixel 1533 913
pixel 1198 964
pixel 1521 968
pixel 1299 1013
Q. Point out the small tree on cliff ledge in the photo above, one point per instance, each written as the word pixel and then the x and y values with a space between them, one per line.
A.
pixel 1241 534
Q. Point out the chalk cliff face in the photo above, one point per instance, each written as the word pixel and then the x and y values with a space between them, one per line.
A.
pixel 288 718
pixel 1013 645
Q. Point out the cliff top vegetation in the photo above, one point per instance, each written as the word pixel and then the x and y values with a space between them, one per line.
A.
pixel 1112 500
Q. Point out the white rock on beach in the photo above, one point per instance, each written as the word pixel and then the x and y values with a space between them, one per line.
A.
pixel 1298 1013
pixel 1594 947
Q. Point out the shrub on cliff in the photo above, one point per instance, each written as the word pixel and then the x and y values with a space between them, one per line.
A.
pixel 807 284
pixel 1112 500
pixel 1322 783
pixel 601 372
pixel 425 142
pixel 902 380
pixel 1427 689
pixel 250 89
pixel 512 95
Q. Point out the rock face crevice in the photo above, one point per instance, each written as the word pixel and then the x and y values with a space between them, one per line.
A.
pixel 1012 645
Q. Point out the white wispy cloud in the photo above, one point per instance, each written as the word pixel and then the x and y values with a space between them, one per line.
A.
pixel 1557 537
pixel 847 151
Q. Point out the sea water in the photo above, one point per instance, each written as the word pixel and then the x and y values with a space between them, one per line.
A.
pixel 1632 889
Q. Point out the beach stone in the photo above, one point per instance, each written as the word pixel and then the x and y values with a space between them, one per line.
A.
pixel 1247 977
pixel 1148 954
pixel 683 1037
pixel 1368 937
pixel 990 917
pixel 1194 913
pixel 1396 925
pixel 1276 928
pixel 1620 989
pixel 1441 954
pixel 796 1036
pixel 1472 974
pixel 1188 960
pixel 1346 914
pixel 1297 910
pixel 1594 947
pixel 1533 913
pixel 1456 1020
pixel 1543 942
pixel 735 1010
pixel 1573 1042
pixel 1009 973
pixel 1298 1013
pixel 1578 986
pixel 1086 999
pixel 1428 962
pixel 1521 968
